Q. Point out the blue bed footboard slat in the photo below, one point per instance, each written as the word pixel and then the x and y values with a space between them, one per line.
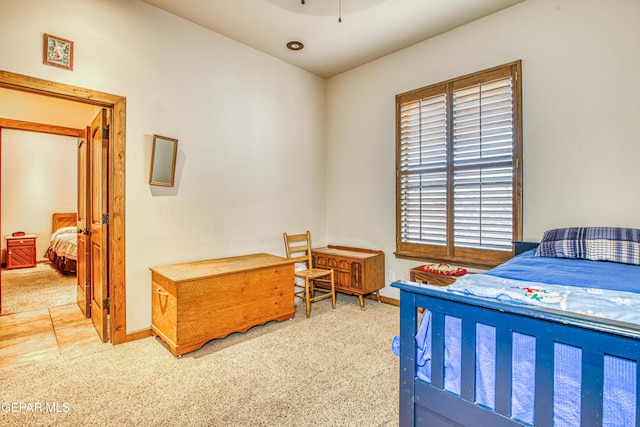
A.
pixel 408 324
pixel 544 383
pixel 504 350
pixel 592 368
pixel 552 338
pixel 437 356
pixel 468 370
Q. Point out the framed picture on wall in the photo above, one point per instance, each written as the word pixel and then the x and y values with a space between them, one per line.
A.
pixel 58 52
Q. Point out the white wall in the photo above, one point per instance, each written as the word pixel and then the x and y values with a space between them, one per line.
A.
pixel 39 177
pixel 251 157
pixel 580 109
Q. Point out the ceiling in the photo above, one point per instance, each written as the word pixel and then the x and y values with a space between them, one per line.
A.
pixel 369 29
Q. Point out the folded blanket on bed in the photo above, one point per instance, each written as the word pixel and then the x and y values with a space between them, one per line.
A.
pixel 608 304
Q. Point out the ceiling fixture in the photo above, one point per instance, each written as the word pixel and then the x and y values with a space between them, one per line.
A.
pixel 295 45
pixel 339 9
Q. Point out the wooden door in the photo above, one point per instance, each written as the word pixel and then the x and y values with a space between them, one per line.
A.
pixel 0 215
pixel 98 250
pixel 83 263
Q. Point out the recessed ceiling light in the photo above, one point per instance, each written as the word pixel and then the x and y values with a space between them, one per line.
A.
pixel 295 45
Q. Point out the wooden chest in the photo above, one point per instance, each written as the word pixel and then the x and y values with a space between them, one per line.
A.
pixel 357 271
pixel 196 302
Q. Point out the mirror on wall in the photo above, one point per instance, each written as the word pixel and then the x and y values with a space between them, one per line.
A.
pixel 163 161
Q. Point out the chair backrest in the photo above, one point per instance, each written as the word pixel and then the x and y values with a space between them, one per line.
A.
pixel 298 247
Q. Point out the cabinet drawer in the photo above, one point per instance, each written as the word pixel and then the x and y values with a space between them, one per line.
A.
pixel 342 278
pixel 332 263
pixel 13 243
pixel 341 269
pixel 324 262
pixel 356 276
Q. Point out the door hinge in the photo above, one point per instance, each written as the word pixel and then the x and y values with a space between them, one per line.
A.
pixel 106 303
pixel 105 218
pixel 105 133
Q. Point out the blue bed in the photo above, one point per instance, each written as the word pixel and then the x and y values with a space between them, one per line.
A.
pixel 512 355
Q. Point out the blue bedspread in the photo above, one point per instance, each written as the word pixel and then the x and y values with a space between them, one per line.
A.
pixel 596 288
pixel 571 272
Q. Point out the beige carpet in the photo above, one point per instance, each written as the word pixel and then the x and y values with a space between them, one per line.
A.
pixel 28 289
pixel 334 369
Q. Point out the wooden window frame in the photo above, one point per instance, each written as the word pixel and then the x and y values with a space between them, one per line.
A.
pixel 472 257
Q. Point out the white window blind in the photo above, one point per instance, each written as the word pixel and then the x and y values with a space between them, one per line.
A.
pixel 483 165
pixel 423 162
pixel 458 187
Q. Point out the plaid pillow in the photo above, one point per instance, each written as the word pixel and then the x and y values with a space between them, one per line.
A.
pixel 593 243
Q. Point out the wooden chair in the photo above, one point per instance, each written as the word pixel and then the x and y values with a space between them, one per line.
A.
pixel 298 247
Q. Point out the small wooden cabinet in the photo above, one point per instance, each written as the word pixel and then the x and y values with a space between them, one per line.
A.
pixel 21 251
pixel 357 271
pixel 420 276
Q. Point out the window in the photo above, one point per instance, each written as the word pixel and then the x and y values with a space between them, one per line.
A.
pixel 458 174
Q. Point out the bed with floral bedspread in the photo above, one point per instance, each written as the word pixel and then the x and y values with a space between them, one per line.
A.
pixel 63 248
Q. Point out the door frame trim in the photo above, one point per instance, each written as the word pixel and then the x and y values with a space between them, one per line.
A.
pixel 116 184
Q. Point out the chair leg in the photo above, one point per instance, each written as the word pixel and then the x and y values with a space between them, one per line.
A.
pixel 333 291
pixel 307 297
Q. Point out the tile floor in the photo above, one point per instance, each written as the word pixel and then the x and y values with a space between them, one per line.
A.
pixel 45 334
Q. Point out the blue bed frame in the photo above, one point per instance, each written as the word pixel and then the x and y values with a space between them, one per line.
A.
pixel 428 404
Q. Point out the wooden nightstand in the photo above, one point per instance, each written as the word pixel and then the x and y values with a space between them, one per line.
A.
pixel 21 251
pixel 418 275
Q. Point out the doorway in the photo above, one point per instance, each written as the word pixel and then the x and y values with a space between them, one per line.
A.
pixel 39 180
pixel 115 184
